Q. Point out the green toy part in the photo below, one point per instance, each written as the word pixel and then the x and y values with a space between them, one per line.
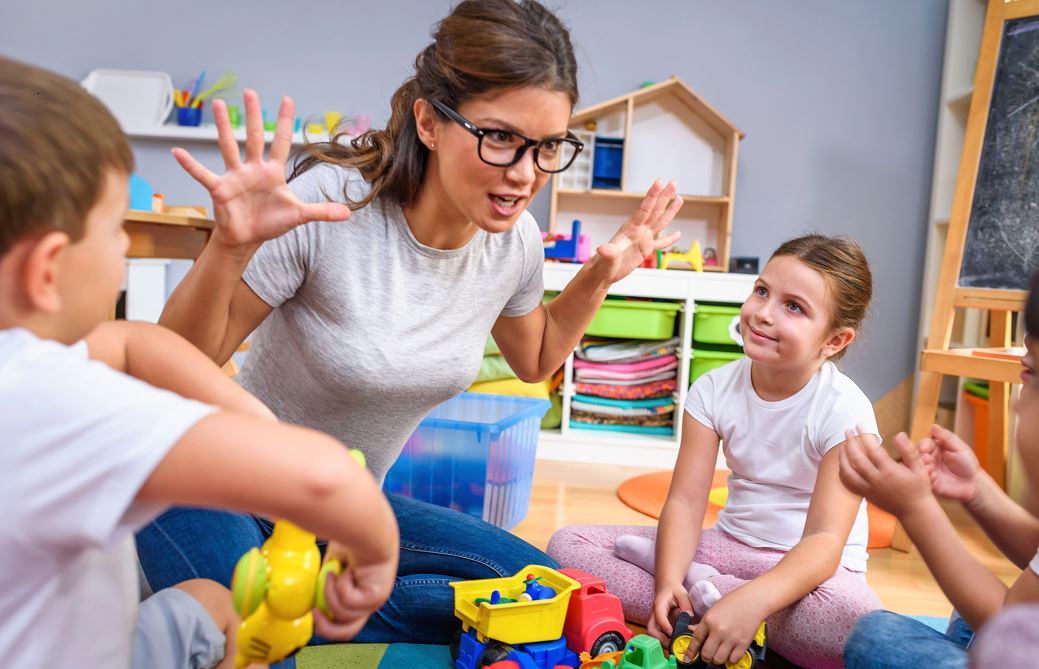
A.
pixel 331 566
pixel 249 583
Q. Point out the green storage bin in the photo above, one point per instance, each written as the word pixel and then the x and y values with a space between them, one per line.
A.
pixel 705 360
pixel 716 324
pixel 627 319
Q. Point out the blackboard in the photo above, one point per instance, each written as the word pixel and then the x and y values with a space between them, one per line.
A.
pixel 1002 245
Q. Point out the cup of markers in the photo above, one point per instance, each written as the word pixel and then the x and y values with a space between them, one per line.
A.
pixel 189 111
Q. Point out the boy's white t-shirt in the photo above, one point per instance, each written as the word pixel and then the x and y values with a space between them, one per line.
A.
pixel 77 442
pixel 774 450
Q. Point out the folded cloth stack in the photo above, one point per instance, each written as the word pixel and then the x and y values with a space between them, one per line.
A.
pixel 626 386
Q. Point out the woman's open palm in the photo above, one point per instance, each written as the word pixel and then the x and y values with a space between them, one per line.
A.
pixel 637 237
pixel 251 200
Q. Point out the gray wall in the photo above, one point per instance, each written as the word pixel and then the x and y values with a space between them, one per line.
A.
pixel 838 99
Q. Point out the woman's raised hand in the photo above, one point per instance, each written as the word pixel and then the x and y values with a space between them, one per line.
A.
pixel 251 200
pixel 637 237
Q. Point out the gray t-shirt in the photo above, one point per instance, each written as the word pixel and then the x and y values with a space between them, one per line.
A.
pixel 371 329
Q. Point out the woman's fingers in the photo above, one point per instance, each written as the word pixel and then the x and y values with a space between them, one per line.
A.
pixel 645 208
pixel 324 211
pixel 281 146
pixel 253 126
pixel 197 170
pixel 225 136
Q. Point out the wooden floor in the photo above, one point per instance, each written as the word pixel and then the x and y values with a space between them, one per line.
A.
pixel 566 493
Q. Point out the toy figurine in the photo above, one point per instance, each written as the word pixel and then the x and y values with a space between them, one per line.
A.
pixel 694 258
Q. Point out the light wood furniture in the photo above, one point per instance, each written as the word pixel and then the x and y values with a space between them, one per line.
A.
pixel 171 236
pixel 669 132
pixel 939 356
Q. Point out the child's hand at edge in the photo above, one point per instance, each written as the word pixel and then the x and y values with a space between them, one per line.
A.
pixel 727 628
pixel 953 468
pixel 867 470
pixel 667 600
pixel 353 595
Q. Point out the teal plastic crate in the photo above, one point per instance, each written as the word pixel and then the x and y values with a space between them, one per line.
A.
pixel 704 360
pixel 716 324
pixel 631 319
pixel 475 454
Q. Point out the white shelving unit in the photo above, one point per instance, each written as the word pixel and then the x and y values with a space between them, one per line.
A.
pixel 618 448
pixel 207 133
pixel 962 40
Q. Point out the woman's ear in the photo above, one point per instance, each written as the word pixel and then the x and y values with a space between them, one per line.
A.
pixel 837 342
pixel 41 272
pixel 426 123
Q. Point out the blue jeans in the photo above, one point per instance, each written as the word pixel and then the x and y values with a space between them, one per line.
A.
pixel 886 640
pixel 437 546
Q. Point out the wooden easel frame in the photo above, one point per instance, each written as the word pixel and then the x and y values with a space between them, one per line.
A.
pixel 937 359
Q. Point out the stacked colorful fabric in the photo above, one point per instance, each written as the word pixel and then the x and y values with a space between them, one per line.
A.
pixel 625 386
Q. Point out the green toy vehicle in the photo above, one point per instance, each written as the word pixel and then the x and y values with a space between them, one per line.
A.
pixel 642 652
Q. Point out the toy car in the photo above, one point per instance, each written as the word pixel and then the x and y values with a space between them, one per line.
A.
pixel 540 618
pixel 682 635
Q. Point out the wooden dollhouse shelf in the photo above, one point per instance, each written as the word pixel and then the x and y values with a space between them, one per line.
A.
pixel 965 362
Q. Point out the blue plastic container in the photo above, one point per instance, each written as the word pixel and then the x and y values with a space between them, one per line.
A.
pixel 608 163
pixel 475 454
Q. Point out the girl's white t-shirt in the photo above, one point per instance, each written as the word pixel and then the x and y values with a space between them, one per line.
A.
pixel 1034 564
pixel 774 450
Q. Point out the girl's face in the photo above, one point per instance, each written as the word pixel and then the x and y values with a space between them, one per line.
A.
pixel 492 198
pixel 786 322
pixel 1027 410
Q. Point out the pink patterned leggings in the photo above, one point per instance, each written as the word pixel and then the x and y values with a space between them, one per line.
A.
pixel 810 633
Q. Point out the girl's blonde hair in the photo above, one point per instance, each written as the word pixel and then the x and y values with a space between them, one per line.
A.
pixel 844 267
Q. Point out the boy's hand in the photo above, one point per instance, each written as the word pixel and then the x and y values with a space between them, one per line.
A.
pixel 353 595
pixel 727 628
pixel 867 470
pixel 668 599
pixel 951 464
pixel 251 200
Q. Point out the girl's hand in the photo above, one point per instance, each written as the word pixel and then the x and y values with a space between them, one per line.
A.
pixel 637 236
pixel 668 599
pixel 727 628
pixel 353 595
pixel 251 201
pixel 866 469
pixel 951 465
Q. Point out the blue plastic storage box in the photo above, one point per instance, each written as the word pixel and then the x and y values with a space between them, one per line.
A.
pixel 475 454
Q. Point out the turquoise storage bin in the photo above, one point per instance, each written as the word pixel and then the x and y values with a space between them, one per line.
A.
pixel 630 319
pixel 475 454
pixel 704 360
pixel 716 324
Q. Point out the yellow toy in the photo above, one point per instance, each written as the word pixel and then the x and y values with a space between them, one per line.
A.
pixel 275 589
pixel 694 257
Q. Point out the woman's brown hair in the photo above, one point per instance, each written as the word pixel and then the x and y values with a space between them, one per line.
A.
pixel 844 267
pixel 480 47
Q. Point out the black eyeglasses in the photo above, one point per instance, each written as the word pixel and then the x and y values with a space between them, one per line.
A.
pixel 505 148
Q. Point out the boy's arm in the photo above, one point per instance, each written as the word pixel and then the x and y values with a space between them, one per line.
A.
pixel 239 462
pixel 956 474
pixel 166 360
pixel 904 489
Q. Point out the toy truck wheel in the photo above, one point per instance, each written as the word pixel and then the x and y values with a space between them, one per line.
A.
pixel 456 641
pixel 494 652
pixel 746 662
pixel 610 642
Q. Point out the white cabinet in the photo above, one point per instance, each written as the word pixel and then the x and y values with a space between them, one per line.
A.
pixel 683 287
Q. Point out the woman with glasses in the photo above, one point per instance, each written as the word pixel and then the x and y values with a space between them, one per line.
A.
pixel 371 281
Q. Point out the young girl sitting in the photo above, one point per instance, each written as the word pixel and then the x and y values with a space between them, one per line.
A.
pixel 789 547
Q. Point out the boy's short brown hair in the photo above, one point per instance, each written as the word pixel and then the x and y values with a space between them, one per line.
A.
pixel 57 144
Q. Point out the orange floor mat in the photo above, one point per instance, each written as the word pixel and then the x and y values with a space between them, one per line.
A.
pixel 646 494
